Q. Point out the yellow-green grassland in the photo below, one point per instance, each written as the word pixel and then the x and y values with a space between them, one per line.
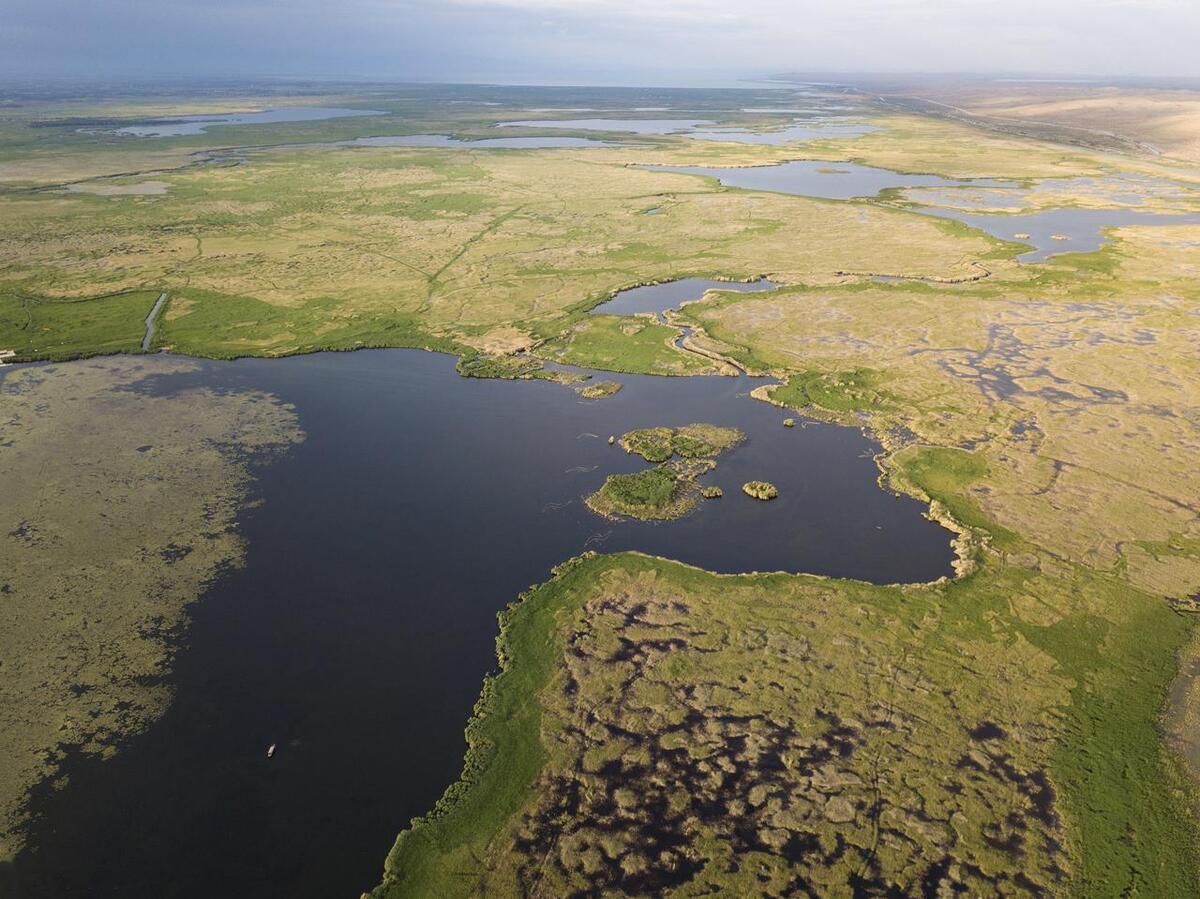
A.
pixel 655 729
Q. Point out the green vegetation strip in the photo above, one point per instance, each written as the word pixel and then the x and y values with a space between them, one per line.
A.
pixel 1064 805
pixel 504 752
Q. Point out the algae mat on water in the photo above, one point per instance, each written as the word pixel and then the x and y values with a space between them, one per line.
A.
pixel 118 509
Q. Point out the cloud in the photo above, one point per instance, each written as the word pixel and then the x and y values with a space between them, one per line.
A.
pixel 615 41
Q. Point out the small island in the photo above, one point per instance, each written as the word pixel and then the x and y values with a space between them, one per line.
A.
pixel 695 441
pixel 668 490
pixel 599 390
pixel 763 490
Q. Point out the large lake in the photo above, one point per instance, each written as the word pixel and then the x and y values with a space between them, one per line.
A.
pixel 357 633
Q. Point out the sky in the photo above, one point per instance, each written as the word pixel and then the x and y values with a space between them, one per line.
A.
pixel 652 42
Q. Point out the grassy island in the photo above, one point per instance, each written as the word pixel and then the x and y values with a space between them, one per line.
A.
pixel 668 490
pixel 599 390
pixel 763 490
pixel 656 493
pixel 689 442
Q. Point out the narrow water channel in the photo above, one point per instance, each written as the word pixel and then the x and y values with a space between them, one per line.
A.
pixel 150 320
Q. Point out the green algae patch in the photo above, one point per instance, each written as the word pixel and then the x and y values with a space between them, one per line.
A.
pixel 119 508
pixel 762 490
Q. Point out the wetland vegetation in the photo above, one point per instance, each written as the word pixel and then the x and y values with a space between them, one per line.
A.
pixel 598 390
pixel 762 490
pixel 879 716
pixel 668 490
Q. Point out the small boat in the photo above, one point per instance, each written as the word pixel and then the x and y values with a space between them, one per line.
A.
pixel 271 751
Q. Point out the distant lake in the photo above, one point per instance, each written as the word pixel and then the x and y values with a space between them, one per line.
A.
pixel 487 143
pixel 177 126
pixel 357 634
pixel 1064 230
pixel 635 126
pixel 831 180
pixel 1050 231
pixel 699 129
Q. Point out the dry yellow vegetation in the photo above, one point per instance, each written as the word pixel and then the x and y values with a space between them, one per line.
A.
pixel 995 733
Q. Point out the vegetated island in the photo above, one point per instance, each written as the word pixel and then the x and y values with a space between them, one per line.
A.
pixel 669 489
pixel 763 490
pixel 599 390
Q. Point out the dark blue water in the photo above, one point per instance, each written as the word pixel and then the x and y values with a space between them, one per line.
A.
pixel 356 636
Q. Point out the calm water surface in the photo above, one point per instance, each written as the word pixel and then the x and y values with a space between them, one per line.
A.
pixel 706 129
pixel 831 180
pixel 488 143
pixel 1060 230
pixel 633 126
pixel 357 633
pixel 175 126
pixel 1050 231
pixel 658 298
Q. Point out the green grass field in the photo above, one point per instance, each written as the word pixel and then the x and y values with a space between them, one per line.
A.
pixel 656 729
